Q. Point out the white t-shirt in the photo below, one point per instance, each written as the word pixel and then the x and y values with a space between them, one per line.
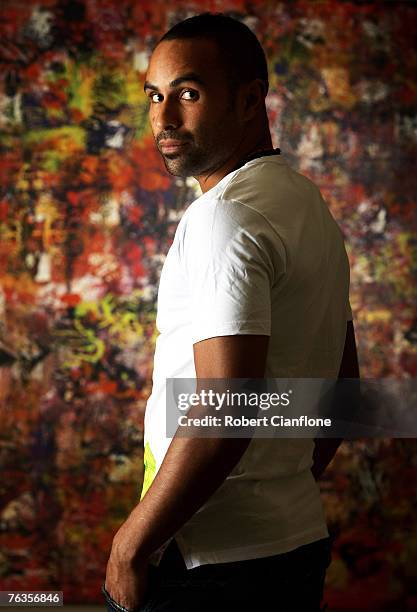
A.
pixel 259 253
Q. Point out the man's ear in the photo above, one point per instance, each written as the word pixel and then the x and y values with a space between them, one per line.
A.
pixel 253 98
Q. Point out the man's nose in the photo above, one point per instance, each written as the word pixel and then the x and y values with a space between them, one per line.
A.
pixel 168 117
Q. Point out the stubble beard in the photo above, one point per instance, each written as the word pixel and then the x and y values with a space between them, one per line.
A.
pixel 197 160
pixel 191 162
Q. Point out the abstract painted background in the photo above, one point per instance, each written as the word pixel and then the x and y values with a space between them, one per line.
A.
pixel 87 214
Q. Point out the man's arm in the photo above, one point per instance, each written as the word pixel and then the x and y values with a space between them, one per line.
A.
pixel 325 448
pixel 193 468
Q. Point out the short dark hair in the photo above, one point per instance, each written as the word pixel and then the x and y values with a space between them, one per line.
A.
pixel 239 47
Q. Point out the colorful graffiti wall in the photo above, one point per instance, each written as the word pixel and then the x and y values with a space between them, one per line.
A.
pixel 87 214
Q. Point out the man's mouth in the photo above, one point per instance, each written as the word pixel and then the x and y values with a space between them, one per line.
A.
pixel 172 146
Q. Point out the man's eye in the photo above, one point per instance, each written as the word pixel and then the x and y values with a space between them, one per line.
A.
pixel 189 94
pixel 152 97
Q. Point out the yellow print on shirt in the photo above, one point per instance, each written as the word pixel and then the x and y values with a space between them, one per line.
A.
pixel 150 469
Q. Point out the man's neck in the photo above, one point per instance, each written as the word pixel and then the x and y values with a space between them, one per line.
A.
pixel 210 180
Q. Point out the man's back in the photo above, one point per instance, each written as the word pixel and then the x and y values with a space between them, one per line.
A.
pixel 284 212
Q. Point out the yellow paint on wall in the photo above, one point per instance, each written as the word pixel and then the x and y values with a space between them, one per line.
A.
pixel 150 469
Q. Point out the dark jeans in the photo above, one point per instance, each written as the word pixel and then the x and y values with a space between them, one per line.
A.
pixel 292 581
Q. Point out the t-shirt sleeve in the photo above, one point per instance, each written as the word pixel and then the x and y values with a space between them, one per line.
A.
pixel 232 258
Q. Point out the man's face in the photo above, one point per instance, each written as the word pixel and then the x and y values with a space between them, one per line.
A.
pixel 194 124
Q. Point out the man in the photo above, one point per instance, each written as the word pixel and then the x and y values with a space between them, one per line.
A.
pixel 254 285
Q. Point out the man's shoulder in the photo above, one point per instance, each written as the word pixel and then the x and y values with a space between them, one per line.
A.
pixel 260 198
pixel 271 169
pixel 220 213
pixel 270 184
